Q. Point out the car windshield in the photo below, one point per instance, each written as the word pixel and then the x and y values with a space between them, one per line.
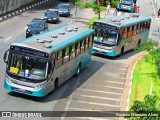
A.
pixel 27 66
pixel 51 13
pixel 63 7
pixel 127 1
pixel 106 36
pixel 37 24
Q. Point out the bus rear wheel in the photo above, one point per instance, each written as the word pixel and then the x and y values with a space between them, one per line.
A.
pixel 78 70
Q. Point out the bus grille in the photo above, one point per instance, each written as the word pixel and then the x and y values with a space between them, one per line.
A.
pixel 26 91
pixel 21 84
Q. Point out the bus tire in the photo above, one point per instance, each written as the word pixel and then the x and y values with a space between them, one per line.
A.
pixel 121 52
pixel 78 70
pixel 138 44
pixel 56 84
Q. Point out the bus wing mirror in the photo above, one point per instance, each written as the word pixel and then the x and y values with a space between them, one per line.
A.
pixel 5 57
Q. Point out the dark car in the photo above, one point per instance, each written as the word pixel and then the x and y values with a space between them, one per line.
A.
pixel 64 9
pixel 51 15
pixel 36 26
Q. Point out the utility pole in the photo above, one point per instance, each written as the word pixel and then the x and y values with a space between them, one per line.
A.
pixel 75 12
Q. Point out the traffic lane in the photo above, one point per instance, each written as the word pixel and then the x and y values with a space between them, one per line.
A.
pixel 98 92
pixel 125 58
pixel 14 29
pixel 145 8
pixel 94 93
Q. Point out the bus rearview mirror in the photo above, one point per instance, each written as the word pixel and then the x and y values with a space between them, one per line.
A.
pixel 5 57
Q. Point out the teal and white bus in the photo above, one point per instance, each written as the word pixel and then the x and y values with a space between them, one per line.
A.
pixel 125 5
pixel 38 65
pixel 118 34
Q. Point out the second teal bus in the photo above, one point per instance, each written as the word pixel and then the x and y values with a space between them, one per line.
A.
pixel 118 34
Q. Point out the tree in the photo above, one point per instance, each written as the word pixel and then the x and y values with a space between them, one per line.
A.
pixel 97 9
pixel 148 46
pixel 148 105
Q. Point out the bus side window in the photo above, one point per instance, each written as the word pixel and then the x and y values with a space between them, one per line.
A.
pixel 59 61
pixel 78 48
pixel 134 30
pixel 82 46
pixel 72 51
pixel 138 28
pixel 66 55
pixel 86 43
pixel 125 33
pixel 142 27
pixel 148 24
pixel 90 41
pixel 129 31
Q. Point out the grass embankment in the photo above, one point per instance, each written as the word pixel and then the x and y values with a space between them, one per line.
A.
pixel 144 74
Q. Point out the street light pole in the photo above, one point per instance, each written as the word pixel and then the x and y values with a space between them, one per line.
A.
pixel 75 13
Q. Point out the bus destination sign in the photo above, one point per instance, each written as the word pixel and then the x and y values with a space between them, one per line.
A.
pixel 29 51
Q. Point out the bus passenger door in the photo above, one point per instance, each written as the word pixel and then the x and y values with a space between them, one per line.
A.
pixel 66 63
pixel 50 78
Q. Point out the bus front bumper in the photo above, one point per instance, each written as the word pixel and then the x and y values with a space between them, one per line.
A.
pixel 129 9
pixel 104 52
pixel 20 89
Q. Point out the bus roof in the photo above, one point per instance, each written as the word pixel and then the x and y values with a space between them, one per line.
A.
pixel 55 39
pixel 124 20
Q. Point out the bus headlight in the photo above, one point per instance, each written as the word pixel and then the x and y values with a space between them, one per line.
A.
pixel 8 79
pixel 40 86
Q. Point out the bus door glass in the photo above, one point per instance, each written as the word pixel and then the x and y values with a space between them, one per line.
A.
pixel 66 60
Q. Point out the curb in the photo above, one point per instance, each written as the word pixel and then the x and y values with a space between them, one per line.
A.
pixel 21 10
pixel 134 62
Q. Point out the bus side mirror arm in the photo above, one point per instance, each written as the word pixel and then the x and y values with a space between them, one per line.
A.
pixel 5 56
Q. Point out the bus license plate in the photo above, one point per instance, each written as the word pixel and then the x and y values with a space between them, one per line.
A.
pixel 21 90
pixel 99 50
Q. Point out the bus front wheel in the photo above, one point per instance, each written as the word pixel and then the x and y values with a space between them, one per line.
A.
pixel 56 84
pixel 121 52
pixel 78 70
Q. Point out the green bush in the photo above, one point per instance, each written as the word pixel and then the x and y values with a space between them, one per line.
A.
pixel 114 3
pixel 107 2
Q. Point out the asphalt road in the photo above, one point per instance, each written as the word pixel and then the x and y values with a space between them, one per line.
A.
pixel 99 86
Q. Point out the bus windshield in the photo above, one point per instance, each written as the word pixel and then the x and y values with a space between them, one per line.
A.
pixel 126 1
pixel 107 36
pixel 27 66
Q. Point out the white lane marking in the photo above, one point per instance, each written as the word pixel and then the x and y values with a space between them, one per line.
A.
pixel 93 103
pixel 106 86
pixel 106 98
pixel 69 101
pixel 100 91
pixel 123 69
pixel 114 82
pixel 7 39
